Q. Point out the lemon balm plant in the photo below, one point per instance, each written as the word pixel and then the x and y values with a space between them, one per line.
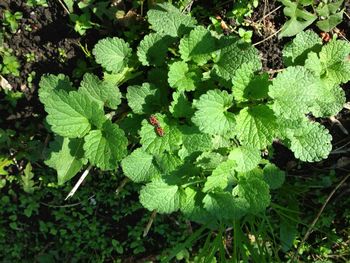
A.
pixel 216 109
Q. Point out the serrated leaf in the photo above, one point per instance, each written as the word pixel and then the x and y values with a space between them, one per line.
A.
pixel 155 144
pixel 105 148
pixel 224 206
pixel 168 20
pixel 295 52
pixel 73 114
pixel 273 176
pixel 102 92
pixel 139 166
pixel 299 19
pixel 212 116
pixel 180 107
pixel 168 162
pixel 194 140
pixel 182 78
pixel 232 56
pixel 208 161
pixel 291 85
pixel 153 49
pixel 158 195
pixel 49 83
pixel 112 53
pixel 311 142
pixel 246 158
pixel 256 126
pixel 144 99
pixel 66 157
pixel 219 178
pixel 197 46
pixel 247 85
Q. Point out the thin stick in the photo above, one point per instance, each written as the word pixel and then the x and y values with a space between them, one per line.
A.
pixel 64 6
pixel 80 181
pixel 149 224
pixel 310 229
pixel 278 7
pixel 122 184
pixel 270 36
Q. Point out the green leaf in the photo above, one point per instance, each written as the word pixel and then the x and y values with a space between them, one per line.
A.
pixel 256 126
pixel 112 53
pixel 153 49
pixel 194 140
pixel 155 144
pixel 139 166
pixel 295 52
pixel 246 158
pixel 291 85
pixel 105 148
pixel 331 22
pixel 168 20
pixel 311 142
pixel 182 78
pixel 72 115
pixel 158 195
pixel 219 178
pixel 197 46
pixel 180 107
pixel 66 157
pixel 208 161
pixel 144 99
pixel 326 9
pixel 27 180
pixel 102 92
pixel 212 116
pixel 299 19
pixel 273 176
pixel 224 206
pixel 49 83
pixel 232 56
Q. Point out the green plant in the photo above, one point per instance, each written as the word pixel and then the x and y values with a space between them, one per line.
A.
pixel 30 57
pixel 200 153
pixel 34 3
pixel 242 9
pixel 9 64
pixel 10 20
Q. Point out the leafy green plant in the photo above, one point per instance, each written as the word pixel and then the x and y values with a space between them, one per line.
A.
pixel 201 112
pixel 11 20
pixel 34 3
pixel 9 64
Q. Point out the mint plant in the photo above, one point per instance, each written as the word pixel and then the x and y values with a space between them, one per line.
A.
pixel 216 107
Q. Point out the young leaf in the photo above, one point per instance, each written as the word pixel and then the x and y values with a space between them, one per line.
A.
pixel 157 195
pixel 73 114
pixel 182 78
pixel 212 116
pixel 49 83
pixel 197 46
pixel 112 53
pixel 139 167
pixel 104 148
pixel 180 107
pixel 66 157
pixel 256 126
pixel 102 92
pixel 219 178
pixel 168 20
pixel 27 180
pixel 246 158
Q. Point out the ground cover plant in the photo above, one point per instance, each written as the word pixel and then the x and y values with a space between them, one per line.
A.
pixel 188 116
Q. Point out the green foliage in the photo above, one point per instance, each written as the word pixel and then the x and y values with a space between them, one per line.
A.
pixel 34 3
pixel 9 64
pixel 11 20
pixel 199 153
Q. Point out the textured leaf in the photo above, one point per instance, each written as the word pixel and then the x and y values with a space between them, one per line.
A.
pixel 153 49
pixel 144 99
pixel 155 144
pixel 295 52
pixel 160 196
pixel 311 142
pixel 256 126
pixel 273 176
pixel 197 46
pixel 72 115
pixel 246 158
pixel 180 107
pixel 104 148
pixel 66 157
pixel 232 56
pixel 219 178
pixel 212 116
pixel 168 20
pixel 182 78
pixel 100 91
pixel 195 141
pixel 299 19
pixel 49 83
pixel 112 53
pixel 208 161
pixel 331 22
pixel 139 166
pixel 293 84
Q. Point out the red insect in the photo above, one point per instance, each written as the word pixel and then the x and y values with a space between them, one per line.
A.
pixel 153 120
pixel 160 131
pixel 325 36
